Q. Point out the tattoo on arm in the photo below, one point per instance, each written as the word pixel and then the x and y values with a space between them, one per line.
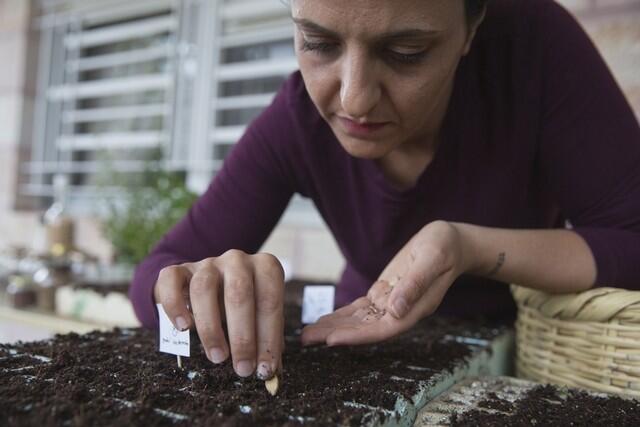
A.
pixel 501 258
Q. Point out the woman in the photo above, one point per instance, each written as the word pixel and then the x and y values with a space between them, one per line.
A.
pixel 446 145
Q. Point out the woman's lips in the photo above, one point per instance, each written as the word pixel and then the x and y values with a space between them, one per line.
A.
pixel 356 129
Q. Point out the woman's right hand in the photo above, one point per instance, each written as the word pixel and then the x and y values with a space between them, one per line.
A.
pixel 247 290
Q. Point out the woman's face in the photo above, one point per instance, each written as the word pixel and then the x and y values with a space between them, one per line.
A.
pixel 380 71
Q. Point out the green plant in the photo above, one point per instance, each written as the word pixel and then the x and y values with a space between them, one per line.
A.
pixel 147 209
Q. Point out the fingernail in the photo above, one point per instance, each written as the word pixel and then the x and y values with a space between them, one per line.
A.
pixel 217 355
pixel 244 368
pixel 264 371
pixel 182 324
pixel 400 307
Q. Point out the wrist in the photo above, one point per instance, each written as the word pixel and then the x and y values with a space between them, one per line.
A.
pixel 473 260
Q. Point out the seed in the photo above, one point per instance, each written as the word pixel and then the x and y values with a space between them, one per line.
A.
pixel 272 385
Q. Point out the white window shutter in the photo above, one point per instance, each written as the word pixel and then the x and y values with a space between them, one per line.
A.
pixel 127 78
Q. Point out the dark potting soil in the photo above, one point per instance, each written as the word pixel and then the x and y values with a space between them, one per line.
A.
pixel 550 406
pixel 119 378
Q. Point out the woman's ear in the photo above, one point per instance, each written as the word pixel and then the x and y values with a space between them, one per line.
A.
pixel 473 28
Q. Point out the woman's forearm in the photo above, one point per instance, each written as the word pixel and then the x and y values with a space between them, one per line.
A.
pixel 549 260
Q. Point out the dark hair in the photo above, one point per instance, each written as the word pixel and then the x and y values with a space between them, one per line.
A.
pixel 474 7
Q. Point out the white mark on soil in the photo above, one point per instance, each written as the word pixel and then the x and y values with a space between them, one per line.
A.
pixel 245 409
pixel 29 378
pixel 173 415
pixel 373 374
pixel 192 374
pixel 24 368
pixel 395 378
pixel 300 419
pixel 467 340
pixel 124 402
pixel 368 407
pixel 419 368
pixel 15 353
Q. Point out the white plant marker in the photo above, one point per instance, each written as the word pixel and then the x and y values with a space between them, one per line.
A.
pixel 172 340
pixel 316 302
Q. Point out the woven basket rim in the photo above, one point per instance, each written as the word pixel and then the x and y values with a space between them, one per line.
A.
pixel 604 304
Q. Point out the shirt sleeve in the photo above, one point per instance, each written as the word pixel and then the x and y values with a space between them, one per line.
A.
pixel 590 149
pixel 238 210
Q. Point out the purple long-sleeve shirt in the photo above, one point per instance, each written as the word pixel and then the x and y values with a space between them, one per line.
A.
pixel 537 133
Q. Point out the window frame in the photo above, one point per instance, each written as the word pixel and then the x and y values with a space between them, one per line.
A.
pixel 191 135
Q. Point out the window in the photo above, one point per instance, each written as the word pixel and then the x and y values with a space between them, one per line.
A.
pixel 122 81
pixel 107 91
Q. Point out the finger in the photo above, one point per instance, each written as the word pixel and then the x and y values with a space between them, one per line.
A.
pixel 269 299
pixel 346 311
pixel 389 326
pixel 422 272
pixel 374 329
pixel 317 332
pixel 379 292
pixel 432 298
pixel 169 291
pixel 282 347
pixel 239 301
pixel 204 292
pixel 368 332
pixel 363 314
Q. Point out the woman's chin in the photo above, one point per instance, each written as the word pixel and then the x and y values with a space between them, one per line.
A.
pixel 368 150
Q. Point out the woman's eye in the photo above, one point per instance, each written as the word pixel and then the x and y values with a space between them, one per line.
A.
pixel 405 58
pixel 397 56
pixel 319 46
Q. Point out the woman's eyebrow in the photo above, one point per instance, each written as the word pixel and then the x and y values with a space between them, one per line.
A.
pixel 310 25
pixel 408 34
pixel 390 35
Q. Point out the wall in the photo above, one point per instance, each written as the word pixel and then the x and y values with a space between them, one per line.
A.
pixel 17 90
pixel 310 250
pixel 614 26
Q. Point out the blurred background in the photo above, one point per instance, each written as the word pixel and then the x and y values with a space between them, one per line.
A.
pixel 116 114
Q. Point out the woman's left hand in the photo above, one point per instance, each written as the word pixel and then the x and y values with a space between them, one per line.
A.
pixel 410 288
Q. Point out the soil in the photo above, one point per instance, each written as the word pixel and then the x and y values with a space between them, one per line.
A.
pixel 548 405
pixel 119 378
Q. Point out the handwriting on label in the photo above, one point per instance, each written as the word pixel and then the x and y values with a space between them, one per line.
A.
pixel 316 302
pixel 172 340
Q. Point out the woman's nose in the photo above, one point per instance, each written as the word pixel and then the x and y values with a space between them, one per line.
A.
pixel 359 90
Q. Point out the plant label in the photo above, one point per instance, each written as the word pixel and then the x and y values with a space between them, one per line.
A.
pixel 316 302
pixel 172 340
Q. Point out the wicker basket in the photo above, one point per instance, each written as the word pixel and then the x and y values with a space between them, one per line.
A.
pixel 589 340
